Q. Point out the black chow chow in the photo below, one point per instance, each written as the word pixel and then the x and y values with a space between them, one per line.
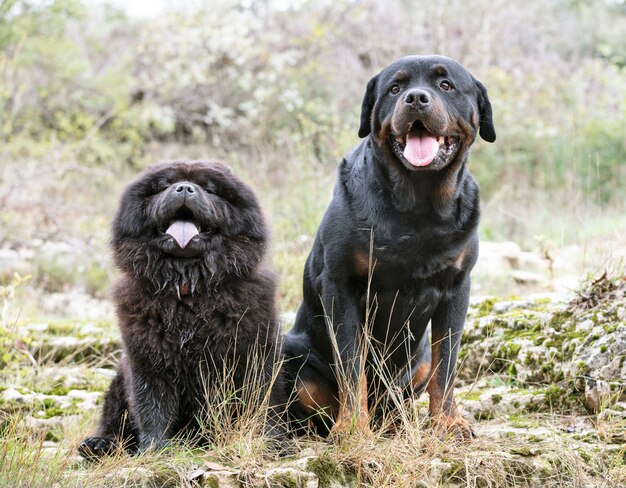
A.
pixel 394 252
pixel 194 300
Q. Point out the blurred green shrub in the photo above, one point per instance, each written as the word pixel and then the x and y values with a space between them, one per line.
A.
pixel 12 347
pixel 59 266
pixel 249 78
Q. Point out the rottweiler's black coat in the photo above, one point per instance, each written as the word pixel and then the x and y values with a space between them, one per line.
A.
pixel 394 252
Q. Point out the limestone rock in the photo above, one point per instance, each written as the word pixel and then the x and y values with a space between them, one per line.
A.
pixel 577 345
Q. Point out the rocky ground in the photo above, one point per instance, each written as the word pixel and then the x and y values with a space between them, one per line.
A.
pixel 542 378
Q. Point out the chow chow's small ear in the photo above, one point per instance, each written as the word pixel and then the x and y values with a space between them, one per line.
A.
pixel 487 130
pixel 366 107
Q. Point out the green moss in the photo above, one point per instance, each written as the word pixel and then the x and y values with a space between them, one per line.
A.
pixel 520 424
pixel 48 402
pixel 496 399
pixel 559 319
pixel 57 389
pixel 212 483
pixel 512 372
pixel 581 368
pixel 603 348
pixel 524 451
pixel 463 352
pixel 284 480
pixel 588 437
pixel 585 456
pixel 473 395
pixel 547 368
pixel 329 471
pixel 54 436
pixel 53 411
pixel 522 421
pixel 486 307
pixel 508 350
pixel 519 324
pixel 62 328
pixel 558 397
pixel 457 470
pixel 485 415
pixel 513 349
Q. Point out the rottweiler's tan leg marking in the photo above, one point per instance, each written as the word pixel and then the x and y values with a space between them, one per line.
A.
pixel 317 398
pixel 458 264
pixel 361 263
pixel 444 413
pixel 421 375
pixel 353 415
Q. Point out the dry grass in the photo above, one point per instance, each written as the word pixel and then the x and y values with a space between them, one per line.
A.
pixel 404 452
pixel 411 457
pixel 407 456
pixel 232 422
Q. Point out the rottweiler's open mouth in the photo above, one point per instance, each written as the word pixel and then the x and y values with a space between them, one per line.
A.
pixel 419 147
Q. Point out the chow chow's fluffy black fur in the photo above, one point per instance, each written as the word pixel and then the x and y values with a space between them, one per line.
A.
pixel 194 300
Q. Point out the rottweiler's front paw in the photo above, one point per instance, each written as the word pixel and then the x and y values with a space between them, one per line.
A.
pixel 95 447
pixel 453 426
pixel 345 426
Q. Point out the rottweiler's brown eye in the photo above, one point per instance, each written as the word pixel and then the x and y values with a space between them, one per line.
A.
pixel 445 85
pixel 394 90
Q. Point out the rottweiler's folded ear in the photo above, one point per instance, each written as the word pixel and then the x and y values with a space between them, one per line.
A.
pixel 487 130
pixel 366 107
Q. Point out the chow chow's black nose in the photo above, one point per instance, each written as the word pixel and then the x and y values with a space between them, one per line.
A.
pixel 185 189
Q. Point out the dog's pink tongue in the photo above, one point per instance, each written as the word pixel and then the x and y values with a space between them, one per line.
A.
pixel 182 232
pixel 420 150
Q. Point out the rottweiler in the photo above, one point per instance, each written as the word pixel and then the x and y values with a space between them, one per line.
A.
pixel 393 254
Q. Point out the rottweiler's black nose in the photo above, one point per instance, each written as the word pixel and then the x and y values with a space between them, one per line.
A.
pixel 417 98
pixel 185 189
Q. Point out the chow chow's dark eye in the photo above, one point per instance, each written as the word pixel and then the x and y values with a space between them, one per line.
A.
pixel 394 90
pixel 161 184
pixel 445 85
